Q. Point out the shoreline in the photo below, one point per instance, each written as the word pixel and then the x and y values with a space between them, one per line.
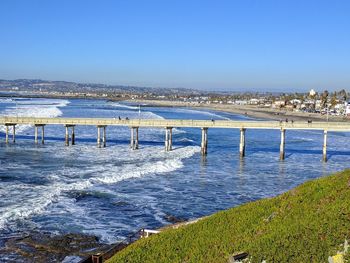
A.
pixel 245 110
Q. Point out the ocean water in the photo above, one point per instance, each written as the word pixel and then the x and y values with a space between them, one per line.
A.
pixel 114 191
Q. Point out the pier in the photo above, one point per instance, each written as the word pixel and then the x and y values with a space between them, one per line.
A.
pixel 168 124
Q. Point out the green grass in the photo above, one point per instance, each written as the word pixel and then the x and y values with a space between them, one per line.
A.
pixel 306 224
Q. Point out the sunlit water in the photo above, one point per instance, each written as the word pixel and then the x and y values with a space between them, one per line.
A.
pixel 113 191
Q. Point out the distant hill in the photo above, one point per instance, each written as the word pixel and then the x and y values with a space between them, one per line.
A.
pixel 35 85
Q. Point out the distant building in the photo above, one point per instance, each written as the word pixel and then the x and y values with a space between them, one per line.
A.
pixel 253 101
pixel 340 108
pixel 295 101
pixel 279 103
pixel 289 107
pixel 241 102
pixel 347 108
pixel 312 92
pixel 318 104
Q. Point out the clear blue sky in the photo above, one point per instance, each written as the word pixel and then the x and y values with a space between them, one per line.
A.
pixel 228 45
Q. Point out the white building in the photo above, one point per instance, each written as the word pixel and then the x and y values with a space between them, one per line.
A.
pixel 347 108
pixel 241 102
pixel 254 101
pixel 278 103
pixel 295 101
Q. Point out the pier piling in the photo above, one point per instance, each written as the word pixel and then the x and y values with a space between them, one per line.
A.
pixel 242 143
pixel 14 133
pixel 98 137
pixel 42 134
pixel 6 134
pixel 104 136
pixel 99 127
pixel 134 138
pixel 67 136
pixel 204 143
pixel 283 136
pixel 137 138
pixel 36 134
pixel 324 150
pixel 73 135
pixel 168 139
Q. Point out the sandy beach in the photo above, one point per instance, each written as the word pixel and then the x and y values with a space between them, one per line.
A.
pixel 248 110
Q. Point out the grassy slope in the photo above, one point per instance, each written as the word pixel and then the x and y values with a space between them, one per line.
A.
pixel 306 224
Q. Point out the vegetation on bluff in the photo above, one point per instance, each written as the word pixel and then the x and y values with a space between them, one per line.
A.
pixel 306 224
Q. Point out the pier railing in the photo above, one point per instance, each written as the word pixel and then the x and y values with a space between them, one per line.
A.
pixel 163 123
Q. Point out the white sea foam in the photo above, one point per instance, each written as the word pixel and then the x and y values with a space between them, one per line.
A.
pixel 171 163
pixel 115 104
pixel 30 200
pixel 186 140
pixel 33 108
pixel 150 115
pixel 7 100
pixel 202 112
pixel 303 139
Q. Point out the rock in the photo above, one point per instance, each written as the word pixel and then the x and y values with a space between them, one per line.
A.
pixel 45 247
pixel 172 219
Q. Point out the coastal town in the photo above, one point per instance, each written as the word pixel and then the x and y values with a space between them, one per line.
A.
pixel 319 102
